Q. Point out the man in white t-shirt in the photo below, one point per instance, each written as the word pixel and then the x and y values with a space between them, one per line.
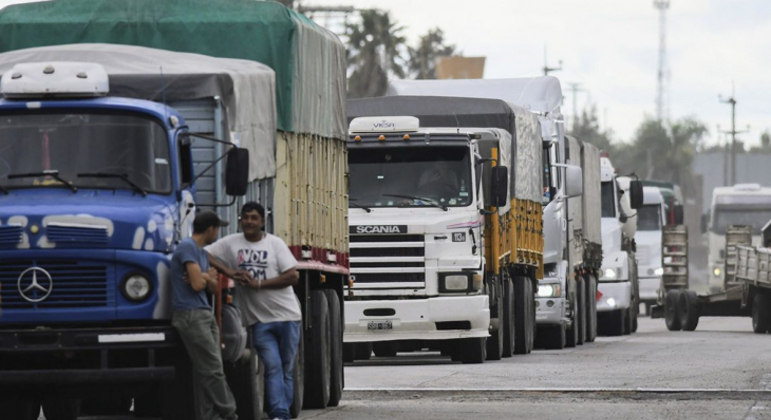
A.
pixel 266 299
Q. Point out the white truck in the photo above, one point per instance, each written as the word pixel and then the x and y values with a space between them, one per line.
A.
pixel 741 204
pixel 443 241
pixel 543 97
pixel 618 294
pixel 650 222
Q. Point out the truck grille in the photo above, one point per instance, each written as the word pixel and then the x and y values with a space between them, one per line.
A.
pixel 388 261
pixel 10 236
pixel 75 284
pixel 77 235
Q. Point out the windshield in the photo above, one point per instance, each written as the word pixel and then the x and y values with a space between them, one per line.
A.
pixel 608 206
pixel 649 217
pixel 421 176
pixel 757 218
pixel 125 148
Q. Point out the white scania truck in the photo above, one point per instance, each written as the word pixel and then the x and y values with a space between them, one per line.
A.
pixel 542 96
pixel 618 291
pixel 445 232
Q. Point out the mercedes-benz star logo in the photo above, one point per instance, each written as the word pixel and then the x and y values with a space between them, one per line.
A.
pixel 35 284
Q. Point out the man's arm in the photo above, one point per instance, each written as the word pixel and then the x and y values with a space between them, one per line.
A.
pixel 200 280
pixel 287 278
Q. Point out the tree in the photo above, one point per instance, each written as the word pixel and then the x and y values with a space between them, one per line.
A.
pixel 423 59
pixel 588 129
pixel 375 52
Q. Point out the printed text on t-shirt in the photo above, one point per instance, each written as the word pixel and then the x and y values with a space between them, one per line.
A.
pixel 254 261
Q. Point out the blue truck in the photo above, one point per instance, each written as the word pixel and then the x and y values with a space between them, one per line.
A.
pixel 97 187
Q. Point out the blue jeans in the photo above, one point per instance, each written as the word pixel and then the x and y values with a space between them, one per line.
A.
pixel 276 344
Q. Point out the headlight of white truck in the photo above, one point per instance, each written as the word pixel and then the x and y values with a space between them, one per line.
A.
pixel 659 271
pixel 136 287
pixel 610 273
pixel 549 290
pixel 717 271
pixel 459 282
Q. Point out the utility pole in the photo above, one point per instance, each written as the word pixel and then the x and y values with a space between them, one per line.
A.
pixel 732 101
pixel 661 111
pixel 546 68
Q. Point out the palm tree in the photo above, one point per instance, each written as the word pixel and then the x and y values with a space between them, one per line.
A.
pixel 375 53
pixel 423 59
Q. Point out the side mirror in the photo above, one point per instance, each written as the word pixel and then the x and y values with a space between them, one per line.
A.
pixel 678 214
pixel 237 171
pixel 635 194
pixel 574 181
pixel 499 185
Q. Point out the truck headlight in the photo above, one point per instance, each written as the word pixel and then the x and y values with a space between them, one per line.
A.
pixel 717 271
pixel 456 282
pixel 549 290
pixel 659 271
pixel 136 287
pixel 610 273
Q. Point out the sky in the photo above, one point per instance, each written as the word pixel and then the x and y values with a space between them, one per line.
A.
pixel 715 48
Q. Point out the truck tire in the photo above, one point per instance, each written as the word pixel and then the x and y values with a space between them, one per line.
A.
pixel 581 311
pixel 524 315
pixel 24 408
pixel 495 342
pixel 628 319
pixel 671 302
pixel 508 318
pixel 591 308
pixel 318 355
pixel 760 313
pixel 298 378
pixel 246 378
pixel 472 350
pixel 612 323
pixel 58 408
pixel 336 340
pixel 688 310
pixel 571 332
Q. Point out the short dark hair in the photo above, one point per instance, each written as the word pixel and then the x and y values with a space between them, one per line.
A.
pixel 253 206
pixel 206 219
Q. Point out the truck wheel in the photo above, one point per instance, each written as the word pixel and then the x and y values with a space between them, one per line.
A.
pixel 472 350
pixel 318 354
pixel 384 349
pixel 58 408
pixel 688 310
pixel 362 351
pixel 581 312
pixel 336 340
pixel 495 342
pixel 298 378
pixel 611 323
pixel 628 319
pixel 591 308
pixel 571 332
pixel 24 408
pixel 508 318
pixel 760 313
pixel 524 315
pixel 671 301
pixel 246 379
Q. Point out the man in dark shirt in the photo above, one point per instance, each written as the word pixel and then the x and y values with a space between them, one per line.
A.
pixel 191 276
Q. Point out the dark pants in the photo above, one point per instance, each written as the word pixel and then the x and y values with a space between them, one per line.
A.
pixel 276 344
pixel 199 333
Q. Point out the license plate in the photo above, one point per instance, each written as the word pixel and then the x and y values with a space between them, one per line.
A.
pixel 380 325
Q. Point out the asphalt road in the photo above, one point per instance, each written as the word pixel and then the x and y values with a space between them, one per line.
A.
pixel 720 371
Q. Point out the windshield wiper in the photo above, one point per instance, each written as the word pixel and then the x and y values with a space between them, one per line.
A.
pixel 352 202
pixel 431 201
pixel 123 177
pixel 53 173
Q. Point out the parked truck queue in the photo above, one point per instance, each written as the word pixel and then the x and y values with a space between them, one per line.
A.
pixel 453 216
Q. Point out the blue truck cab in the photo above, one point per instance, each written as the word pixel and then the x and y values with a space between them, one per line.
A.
pixel 95 193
